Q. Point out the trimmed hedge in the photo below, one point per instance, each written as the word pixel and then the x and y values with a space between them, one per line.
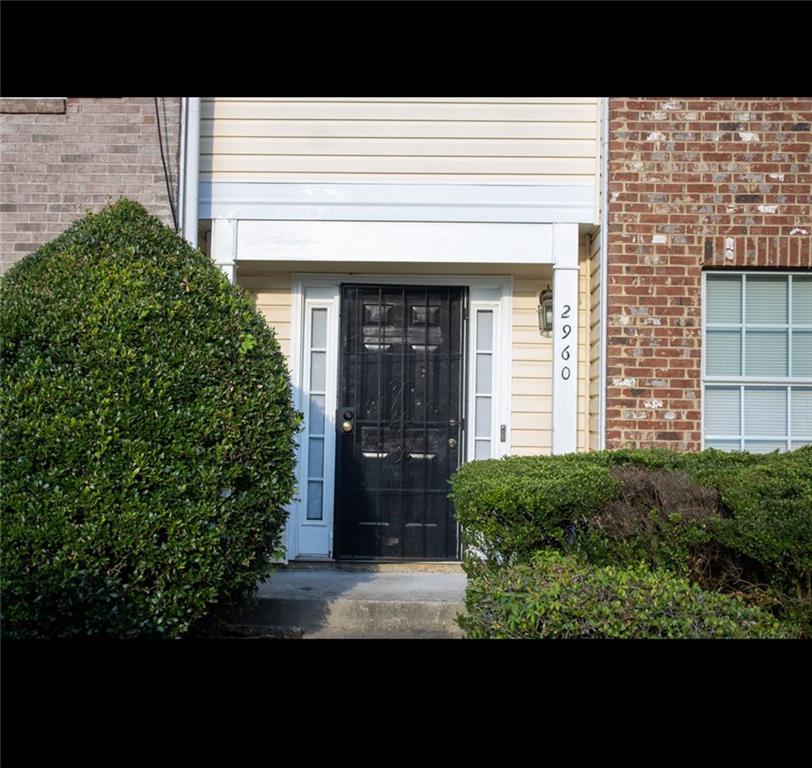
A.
pixel 726 521
pixel 148 435
pixel 511 507
pixel 556 596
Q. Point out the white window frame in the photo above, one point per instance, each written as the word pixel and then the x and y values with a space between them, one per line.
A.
pixel 322 290
pixel 744 382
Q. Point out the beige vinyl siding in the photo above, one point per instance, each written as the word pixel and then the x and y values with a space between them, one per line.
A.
pixel 272 296
pixel 583 344
pixel 531 370
pixel 531 364
pixel 395 139
pixel 594 341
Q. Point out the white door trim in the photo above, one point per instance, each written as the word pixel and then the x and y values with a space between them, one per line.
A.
pixel 323 290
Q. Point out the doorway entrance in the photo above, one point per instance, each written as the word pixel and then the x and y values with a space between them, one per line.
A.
pixel 399 420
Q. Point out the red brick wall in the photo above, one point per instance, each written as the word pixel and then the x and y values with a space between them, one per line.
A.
pixel 57 163
pixel 693 183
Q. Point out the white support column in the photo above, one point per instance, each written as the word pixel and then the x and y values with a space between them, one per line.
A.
pixel 190 161
pixel 224 246
pixel 565 338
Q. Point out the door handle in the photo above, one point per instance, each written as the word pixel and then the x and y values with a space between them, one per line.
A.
pixel 348 416
pixel 452 443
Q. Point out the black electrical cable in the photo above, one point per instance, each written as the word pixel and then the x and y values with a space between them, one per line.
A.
pixel 166 170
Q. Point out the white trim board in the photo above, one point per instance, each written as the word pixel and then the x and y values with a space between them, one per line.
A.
pixel 378 201
pixel 566 350
pixel 408 242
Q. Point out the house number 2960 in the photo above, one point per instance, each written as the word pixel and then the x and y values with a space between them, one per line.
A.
pixel 566 330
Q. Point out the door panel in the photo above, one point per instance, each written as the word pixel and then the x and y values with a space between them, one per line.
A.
pixel 401 381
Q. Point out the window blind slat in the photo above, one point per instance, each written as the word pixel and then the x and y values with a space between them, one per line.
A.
pixel 722 410
pixel 724 353
pixel 801 299
pixel 765 353
pixel 724 297
pixel 802 354
pixel 765 411
pixel 764 446
pixel 802 411
pixel 723 445
pixel 766 297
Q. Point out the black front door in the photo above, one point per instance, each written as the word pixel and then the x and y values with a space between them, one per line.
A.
pixel 399 421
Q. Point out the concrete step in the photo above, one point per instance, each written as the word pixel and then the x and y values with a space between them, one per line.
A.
pixel 349 634
pixel 332 603
pixel 423 566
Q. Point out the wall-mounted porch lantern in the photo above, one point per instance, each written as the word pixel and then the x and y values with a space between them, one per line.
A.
pixel 545 310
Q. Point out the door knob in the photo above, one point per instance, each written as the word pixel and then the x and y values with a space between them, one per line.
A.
pixel 452 443
pixel 347 426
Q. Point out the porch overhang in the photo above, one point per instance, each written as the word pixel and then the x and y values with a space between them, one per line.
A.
pixel 572 203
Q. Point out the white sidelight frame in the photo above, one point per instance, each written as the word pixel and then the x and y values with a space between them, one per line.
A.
pixel 314 539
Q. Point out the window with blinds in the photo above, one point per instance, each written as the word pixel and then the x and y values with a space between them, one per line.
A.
pixel 758 361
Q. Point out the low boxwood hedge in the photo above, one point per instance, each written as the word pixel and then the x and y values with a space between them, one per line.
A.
pixel 726 521
pixel 509 508
pixel 147 445
pixel 558 596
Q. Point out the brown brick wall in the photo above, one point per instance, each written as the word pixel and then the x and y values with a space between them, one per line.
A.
pixel 55 166
pixel 693 183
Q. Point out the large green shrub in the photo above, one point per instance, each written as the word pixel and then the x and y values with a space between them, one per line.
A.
pixel 557 596
pixel 147 435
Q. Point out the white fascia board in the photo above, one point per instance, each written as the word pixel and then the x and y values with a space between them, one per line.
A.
pixel 368 201
pixel 406 242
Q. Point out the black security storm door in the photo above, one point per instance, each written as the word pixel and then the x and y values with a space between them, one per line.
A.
pixel 399 421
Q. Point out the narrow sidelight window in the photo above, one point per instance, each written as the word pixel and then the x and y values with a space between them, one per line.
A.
pixel 483 385
pixel 317 379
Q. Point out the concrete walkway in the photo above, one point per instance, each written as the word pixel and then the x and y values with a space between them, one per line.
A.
pixel 337 603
